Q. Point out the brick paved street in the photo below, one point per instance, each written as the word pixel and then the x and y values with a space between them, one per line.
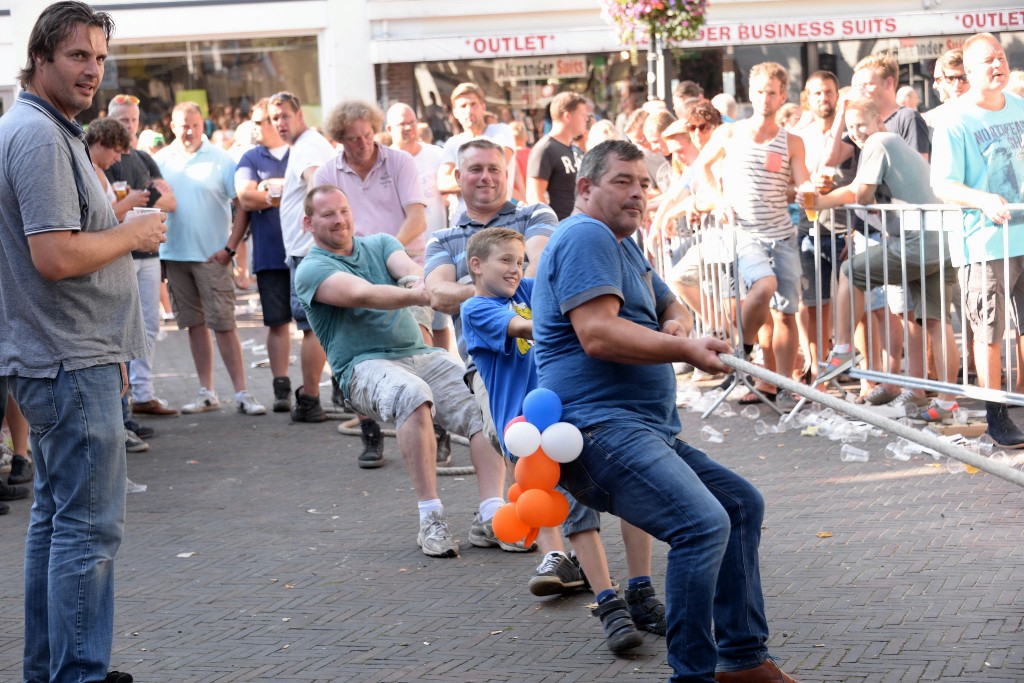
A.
pixel 305 568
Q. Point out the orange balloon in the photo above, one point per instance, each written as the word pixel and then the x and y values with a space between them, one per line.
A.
pixel 559 509
pixel 535 507
pixel 537 472
pixel 514 491
pixel 507 525
pixel 531 537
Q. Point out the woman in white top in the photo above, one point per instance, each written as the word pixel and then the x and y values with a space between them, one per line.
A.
pixel 108 139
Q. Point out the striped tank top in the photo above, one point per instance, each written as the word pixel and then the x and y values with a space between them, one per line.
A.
pixel 757 194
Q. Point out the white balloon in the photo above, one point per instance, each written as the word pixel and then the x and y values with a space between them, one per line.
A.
pixel 522 439
pixel 562 442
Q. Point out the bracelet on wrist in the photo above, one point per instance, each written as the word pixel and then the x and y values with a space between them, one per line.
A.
pixel 231 252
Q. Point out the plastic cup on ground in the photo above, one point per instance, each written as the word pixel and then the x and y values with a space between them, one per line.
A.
pixel 896 451
pixel 711 435
pixel 751 412
pixel 850 453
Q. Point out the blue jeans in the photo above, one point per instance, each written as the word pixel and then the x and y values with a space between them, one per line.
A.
pixel 76 523
pixel 711 519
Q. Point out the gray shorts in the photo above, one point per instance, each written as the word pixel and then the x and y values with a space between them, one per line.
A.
pixel 390 390
pixel 201 294
pixel 759 258
pixel 984 288
pixel 878 265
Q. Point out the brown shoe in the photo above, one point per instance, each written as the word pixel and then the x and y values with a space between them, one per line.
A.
pixel 768 672
pixel 153 407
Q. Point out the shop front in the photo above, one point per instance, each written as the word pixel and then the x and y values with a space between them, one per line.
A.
pixel 520 71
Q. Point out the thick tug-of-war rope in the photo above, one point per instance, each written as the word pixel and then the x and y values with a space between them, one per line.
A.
pixel 999 469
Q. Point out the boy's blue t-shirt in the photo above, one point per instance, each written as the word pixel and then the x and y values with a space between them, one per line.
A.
pixel 505 363
pixel 583 261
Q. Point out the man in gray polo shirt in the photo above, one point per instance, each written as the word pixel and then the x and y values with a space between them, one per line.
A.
pixel 69 308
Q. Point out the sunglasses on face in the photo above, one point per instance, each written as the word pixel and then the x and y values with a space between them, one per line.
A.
pixel 701 127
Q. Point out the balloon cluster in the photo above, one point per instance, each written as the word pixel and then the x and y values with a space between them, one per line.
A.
pixel 540 442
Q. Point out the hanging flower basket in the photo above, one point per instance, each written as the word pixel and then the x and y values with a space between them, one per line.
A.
pixel 638 21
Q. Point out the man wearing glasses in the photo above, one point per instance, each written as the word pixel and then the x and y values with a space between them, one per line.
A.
pixel 551 170
pixel 950 82
pixel 139 170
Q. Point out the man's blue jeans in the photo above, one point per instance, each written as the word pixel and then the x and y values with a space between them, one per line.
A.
pixel 711 519
pixel 76 523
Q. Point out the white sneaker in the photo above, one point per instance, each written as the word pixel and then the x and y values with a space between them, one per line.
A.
pixel 205 400
pixel 249 405
pixel 435 538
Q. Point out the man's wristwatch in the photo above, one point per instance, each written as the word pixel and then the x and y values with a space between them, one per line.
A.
pixel 231 252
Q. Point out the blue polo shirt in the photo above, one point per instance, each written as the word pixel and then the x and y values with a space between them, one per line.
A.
pixel 265 224
pixel 204 185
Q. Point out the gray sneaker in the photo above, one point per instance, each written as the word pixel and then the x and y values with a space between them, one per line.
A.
pixel 133 444
pixel 556 574
pixel 481 534
pixel 435 539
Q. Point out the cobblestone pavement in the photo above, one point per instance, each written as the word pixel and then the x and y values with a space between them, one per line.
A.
pixel 301 567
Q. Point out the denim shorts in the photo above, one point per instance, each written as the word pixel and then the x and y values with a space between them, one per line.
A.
pixel 759 258
pixel 390 390
pixel 298 312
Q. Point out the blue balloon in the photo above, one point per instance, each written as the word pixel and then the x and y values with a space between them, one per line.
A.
pixel 542 408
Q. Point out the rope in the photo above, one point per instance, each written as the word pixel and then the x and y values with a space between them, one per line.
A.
pixel 999 469
pixel 351 428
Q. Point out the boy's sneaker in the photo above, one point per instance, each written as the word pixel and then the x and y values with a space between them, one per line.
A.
pixel 22 471
pixel 620 632
pixel 556 574
pixel 282 395
pixel 118 677
pixel 372 456
pixel 444 446
pixel 837 364
pixel 133 444
pixel 141 431
pixel 8 492
pixel 435 539
pixel 881 395
pixel 936 413
pixel 205 401
pixel 481 534
pixel 307 408
pixel 647 610
pixel 248 405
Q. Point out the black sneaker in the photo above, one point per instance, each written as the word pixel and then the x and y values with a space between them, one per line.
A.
pixel 444 446
pixel 307 408
pixel 556 574
pixel 620 633
pixel 22 471
pixel 1001 428
pixel 372 456
pixel 647 610
pixel 8 492
pixel 118 677
pixel 141 431
pixel 282 395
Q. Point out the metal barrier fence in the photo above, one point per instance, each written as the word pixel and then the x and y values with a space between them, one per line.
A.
pixel 915 333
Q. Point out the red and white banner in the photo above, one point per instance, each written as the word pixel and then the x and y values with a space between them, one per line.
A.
pixel 713 34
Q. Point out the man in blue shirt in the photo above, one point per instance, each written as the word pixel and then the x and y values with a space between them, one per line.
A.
pixel 607 330
pixel 259 182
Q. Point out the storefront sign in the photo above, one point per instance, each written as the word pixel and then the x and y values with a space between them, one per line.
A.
pixel 539 69
pixel 913 50
pixel 714 34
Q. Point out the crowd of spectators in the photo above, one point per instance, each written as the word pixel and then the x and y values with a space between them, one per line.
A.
pixel 378 234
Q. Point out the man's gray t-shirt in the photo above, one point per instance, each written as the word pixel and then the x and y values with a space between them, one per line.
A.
pixel 78 322
pixel 903 177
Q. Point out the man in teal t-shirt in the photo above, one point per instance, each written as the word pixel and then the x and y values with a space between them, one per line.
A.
pixel 357 292
pixel 978 163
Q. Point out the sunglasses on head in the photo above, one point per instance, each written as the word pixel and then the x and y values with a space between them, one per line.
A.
pixel 125 99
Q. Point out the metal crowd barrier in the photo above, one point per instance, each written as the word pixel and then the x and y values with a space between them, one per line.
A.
pixel 704 259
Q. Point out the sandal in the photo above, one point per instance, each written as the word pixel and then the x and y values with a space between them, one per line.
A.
pixel 752 399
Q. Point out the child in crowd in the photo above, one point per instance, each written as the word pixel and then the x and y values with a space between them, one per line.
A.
pixel 498 329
